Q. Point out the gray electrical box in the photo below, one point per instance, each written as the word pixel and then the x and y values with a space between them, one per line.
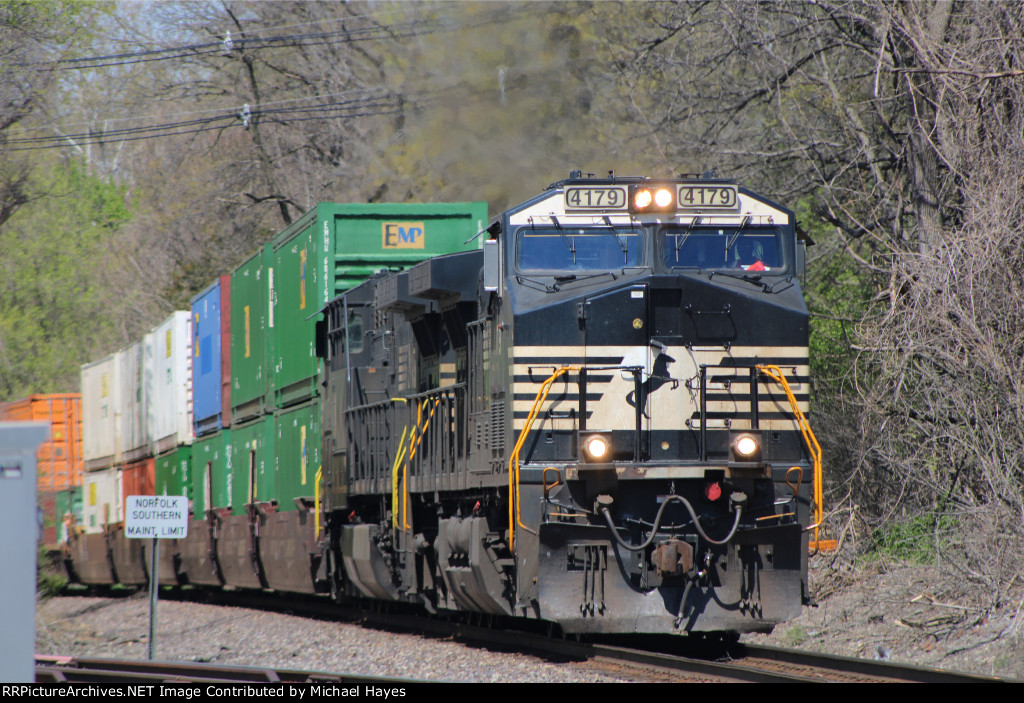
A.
pixel 19 533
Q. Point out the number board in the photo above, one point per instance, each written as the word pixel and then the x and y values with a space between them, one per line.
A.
pixel 595 198
pixel 707 197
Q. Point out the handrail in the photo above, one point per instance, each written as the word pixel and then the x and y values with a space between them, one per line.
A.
pixel 411 397
pixel 813 448
pixel 414 443
pixel 316 500
pixel 399 456
pixel 514 515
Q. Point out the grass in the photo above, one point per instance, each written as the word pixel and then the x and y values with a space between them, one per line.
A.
pixel 914 541
pixel 795 636
pixel 50 579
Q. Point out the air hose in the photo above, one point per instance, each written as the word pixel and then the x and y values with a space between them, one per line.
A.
pixel 736 500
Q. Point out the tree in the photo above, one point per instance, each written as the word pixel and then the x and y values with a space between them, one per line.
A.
pixel 33 36
pixel 57 309
pixel 898 128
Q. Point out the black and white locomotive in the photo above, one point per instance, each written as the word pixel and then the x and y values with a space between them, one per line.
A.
pixel 597 419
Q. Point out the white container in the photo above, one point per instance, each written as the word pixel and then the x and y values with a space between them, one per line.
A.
pixel 134 406
pixel 169 365
pixel 101 499
pixel 101 422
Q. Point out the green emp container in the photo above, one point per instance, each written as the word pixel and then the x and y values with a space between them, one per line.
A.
pixel 253 468
pixel 173 473
pixel 335 247
pixel 298 453
pixel 211 472
pixel 250 342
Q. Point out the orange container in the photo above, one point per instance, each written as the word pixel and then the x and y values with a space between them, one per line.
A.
pixel 60 458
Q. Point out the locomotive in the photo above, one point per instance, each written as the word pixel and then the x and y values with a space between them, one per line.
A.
pixel 595 417
pixel 597 420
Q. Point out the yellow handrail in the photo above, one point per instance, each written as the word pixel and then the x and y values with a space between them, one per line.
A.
pixel 316 500
pixel 514 515
pixel 813 448
pixel 399 455
pixel 414 443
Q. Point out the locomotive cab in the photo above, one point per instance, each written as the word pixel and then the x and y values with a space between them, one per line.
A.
pixel 665 477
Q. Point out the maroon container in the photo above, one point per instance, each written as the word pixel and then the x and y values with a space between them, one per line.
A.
pixel 137 479
pixel 225 346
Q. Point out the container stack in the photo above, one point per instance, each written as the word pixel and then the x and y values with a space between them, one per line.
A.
pixel 276 298
pixel 136 406
pixel 59 460
pixel 221 403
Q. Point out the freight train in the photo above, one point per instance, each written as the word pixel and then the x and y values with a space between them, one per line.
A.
pixel 593 414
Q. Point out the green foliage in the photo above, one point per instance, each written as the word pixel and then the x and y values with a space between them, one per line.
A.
pixel 522 104
pixel 915 540
pixel 50 580
pixel 795 636
pixel 55 302
pixel 839 293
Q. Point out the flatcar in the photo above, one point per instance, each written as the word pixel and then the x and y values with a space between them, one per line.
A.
pixel 594 417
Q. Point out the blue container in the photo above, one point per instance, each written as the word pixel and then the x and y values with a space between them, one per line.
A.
pixel 207 360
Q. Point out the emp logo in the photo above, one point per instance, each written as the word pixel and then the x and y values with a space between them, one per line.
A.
pixel 403 235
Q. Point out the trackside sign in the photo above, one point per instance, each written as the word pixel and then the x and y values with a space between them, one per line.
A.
pixel 156 517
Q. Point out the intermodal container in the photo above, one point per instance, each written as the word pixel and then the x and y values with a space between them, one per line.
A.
pixel 174 472
pixel 137 479
pixel 68 511
pixel 334 247
pixel 254 475
pixel 101 502
pixel 59 460
pixel 101 426
pixel 211 357
pixel 133 407
pixel 170 405
pixel 46 502
pixel 59 512
pixel 297 450
pixel 211 473
pixel 251 288
pixel 225 350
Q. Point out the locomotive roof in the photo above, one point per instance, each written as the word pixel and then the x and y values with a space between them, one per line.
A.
pixel 551 202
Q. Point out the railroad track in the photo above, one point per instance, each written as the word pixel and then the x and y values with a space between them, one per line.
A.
pixel 643 658
pixel 648 657
pixel 742 663
pixel 51 669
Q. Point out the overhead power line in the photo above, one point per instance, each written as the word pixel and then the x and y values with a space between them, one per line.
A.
pixel 248 40
pixel 338 109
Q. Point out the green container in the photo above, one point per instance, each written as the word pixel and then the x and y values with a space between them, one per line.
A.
pixel 211 472
pixel 253 473
pixel 67 500
pixel 298 453
pixel 335 247
pixel 250 342
pixel 173 473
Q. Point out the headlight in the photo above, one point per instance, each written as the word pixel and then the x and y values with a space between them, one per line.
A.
pixel 746 447
pixel 596 448
pixel 652 198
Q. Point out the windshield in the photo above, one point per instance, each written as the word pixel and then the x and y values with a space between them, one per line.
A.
pixel 578 249
pixel 741 249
